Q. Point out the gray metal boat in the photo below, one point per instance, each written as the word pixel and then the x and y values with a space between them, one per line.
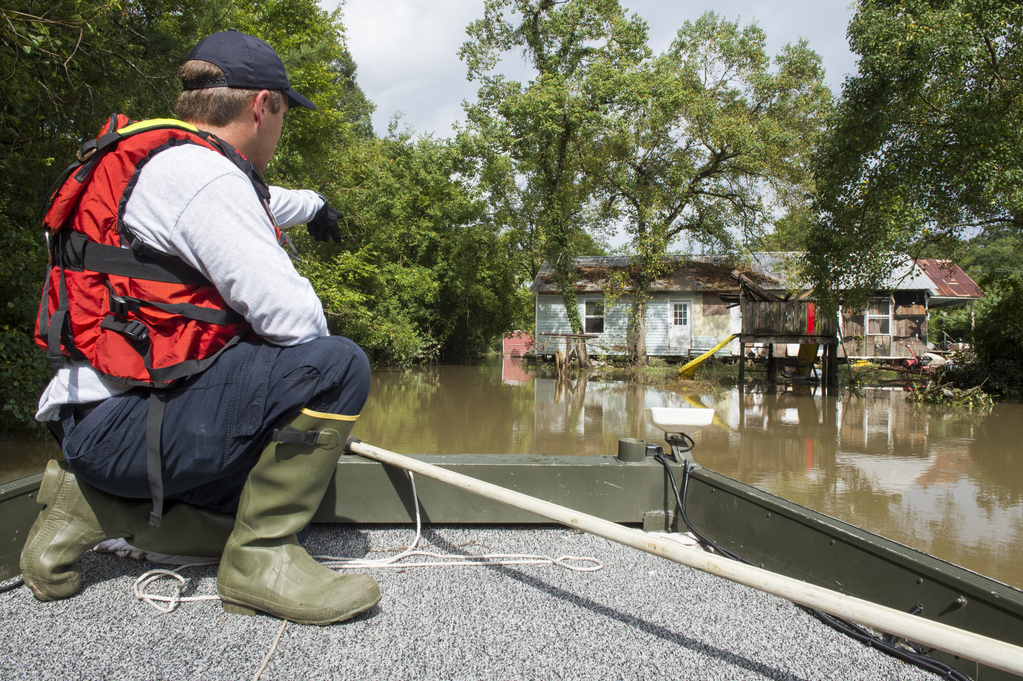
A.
pixel 643 487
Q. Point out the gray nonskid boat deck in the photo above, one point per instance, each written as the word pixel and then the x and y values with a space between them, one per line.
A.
pixel 638 617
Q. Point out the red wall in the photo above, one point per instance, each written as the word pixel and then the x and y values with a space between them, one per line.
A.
pixel 516 343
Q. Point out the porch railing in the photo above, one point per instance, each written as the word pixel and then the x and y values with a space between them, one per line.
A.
pixel 785 318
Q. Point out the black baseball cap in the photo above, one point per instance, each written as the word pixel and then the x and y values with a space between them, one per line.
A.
pixel 247 62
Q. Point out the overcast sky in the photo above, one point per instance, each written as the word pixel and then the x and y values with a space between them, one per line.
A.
pixel 407 50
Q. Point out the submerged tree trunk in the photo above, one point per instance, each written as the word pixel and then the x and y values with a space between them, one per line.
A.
pixel 562 274
pixel 639 307
pixel 639 328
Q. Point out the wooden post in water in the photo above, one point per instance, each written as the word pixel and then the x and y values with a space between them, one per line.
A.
pixel 831 368
pixel 742 369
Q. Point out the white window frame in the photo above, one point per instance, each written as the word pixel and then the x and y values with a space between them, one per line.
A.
pixel 885 320
pixel 687 306
pixel 587 317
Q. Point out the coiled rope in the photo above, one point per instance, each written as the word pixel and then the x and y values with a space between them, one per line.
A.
pixel 168 603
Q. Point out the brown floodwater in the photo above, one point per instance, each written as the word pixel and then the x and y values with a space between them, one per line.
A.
pixel 945 481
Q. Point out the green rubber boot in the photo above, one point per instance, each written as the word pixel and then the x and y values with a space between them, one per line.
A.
pixel 77 516
pixel 185 531
pixel 263 567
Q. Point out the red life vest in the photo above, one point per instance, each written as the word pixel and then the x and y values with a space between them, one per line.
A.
pixel 136 315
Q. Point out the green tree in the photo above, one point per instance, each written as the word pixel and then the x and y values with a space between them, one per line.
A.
pixel 67 65
pixel 514 209
pixel 310 42
pixel 708 140
pixel 995 253
pixel 997 358
pixel 789 232
pixel 423 273
pixel 543 128
pixel 64 67
pixel 925 144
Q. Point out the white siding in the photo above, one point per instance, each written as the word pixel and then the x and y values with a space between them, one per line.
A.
pixel 658 315
pixel 551 317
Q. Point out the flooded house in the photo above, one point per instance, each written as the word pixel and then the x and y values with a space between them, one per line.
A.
pixel 694 305
pixel 684 314
pixel 894 322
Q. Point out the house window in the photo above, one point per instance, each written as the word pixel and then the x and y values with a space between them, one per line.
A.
pixel 681 314
pixel 879 317
pixel 594 320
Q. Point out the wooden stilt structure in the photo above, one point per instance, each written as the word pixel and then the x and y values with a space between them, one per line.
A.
pixel 787 322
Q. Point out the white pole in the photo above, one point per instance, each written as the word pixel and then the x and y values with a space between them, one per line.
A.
pixel 987 651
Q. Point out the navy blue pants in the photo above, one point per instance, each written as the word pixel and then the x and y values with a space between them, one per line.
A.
pixel 216 424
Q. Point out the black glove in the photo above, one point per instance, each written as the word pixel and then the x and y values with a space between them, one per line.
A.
pixel 324 224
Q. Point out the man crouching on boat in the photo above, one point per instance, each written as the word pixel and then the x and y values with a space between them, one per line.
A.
pixel 171 308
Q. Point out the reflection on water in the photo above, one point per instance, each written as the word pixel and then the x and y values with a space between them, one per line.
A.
pixel 941 481
pixel 22 454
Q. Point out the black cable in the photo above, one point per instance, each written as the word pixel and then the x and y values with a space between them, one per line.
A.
pixel 920 659
pixel 680 500
pixel 12 586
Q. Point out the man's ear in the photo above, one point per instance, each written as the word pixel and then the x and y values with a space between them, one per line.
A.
pixel 259 107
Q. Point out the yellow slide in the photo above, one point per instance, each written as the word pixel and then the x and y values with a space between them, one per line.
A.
pixel 807 356
pixel 689 369
pixel 698 403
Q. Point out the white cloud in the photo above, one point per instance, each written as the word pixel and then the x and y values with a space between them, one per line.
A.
pixel 407 50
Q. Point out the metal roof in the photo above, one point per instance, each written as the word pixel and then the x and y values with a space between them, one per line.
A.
pixel 949 281
pixel 909 277
pixel 940 278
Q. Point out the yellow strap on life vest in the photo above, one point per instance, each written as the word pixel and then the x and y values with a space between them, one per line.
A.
pixel 157 123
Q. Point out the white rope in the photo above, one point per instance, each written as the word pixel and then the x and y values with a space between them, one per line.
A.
pixel 269 653
pixel 574 563
pixel 143 582
pixel 453 560
pixel 469 561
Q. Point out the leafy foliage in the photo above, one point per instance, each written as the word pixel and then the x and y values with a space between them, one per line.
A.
pixel 924 146
pixel 430 267
pixel 541 130
pixel 708 141
pixel 999 331
pixel 1000 377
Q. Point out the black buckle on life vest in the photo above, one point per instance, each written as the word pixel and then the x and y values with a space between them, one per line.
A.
pixel 87 149
pixel 122 306
pixel 101 143
pixel 136 330
pixel 133 329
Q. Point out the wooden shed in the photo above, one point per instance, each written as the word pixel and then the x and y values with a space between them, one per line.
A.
pixel 516 344
pixel 894 322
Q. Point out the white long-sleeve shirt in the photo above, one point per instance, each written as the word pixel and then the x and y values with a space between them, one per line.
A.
pixel 195 204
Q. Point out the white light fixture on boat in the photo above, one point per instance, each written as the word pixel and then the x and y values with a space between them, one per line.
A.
pixel 677 424
pixel 672 420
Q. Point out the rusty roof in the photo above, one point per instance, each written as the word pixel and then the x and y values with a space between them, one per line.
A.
pixel 949 280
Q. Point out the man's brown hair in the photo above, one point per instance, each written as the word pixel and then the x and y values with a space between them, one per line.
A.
pixel 215 106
